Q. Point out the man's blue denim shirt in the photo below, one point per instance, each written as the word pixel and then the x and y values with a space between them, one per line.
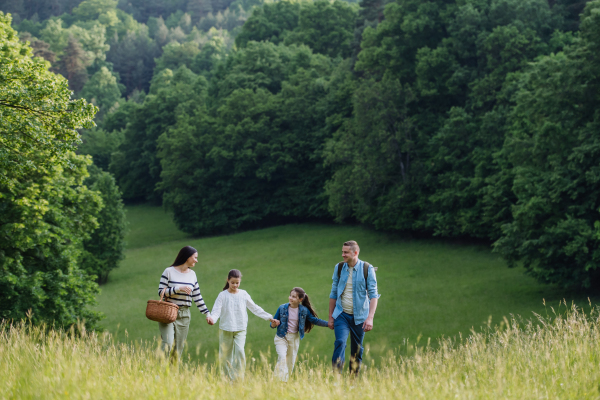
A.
pixel 360 290
pixel 303 314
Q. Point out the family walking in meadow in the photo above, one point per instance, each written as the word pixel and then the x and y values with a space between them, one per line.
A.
pixel 352 305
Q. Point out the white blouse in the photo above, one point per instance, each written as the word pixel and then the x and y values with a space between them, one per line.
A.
pixel 231 307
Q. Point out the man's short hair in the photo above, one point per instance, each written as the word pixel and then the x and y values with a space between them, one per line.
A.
pixel 353 245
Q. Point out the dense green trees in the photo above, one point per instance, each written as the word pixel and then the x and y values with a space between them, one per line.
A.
pixel 463 163
pixel 46 211
pixel 102 89
pixel 374 157
pixel 100 144
pixel 37 129
pixel 448 66
pixel 103 250
pixel 45 217
pixel 553 147
pixel 255 153
pixel 59 228
pixel 471 118
pixel 136 165
pixel 444 150
pixel 327 28
pixel 37 9
pixel 133 58
pixel 272 22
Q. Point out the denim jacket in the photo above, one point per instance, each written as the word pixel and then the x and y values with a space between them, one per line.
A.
pixel 303 314
pixel 362 294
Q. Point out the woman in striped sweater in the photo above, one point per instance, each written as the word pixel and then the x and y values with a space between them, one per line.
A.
pixel 180 286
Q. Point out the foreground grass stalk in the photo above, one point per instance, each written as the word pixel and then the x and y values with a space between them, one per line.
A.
pixel 556 357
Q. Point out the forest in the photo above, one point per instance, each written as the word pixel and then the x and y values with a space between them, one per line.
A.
pixel 473 119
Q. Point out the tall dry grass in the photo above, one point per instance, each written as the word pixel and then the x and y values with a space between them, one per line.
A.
pixel 553 357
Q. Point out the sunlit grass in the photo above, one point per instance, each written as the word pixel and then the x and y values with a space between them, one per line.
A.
pixel 549 357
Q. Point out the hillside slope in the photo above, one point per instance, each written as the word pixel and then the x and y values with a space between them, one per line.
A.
pixel 429 288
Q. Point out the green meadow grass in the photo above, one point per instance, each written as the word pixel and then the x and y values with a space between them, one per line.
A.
pixel 553 358
pixel 430 288
pixel 150 226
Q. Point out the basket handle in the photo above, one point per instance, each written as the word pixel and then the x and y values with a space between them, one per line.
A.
pixel 162 294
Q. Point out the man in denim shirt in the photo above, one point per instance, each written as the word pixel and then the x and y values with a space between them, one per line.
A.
pixel 352 305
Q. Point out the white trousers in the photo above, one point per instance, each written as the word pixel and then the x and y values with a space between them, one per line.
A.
pixel 287 350
pixel 231 353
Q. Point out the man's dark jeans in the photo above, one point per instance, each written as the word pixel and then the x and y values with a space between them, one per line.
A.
pixel 343 326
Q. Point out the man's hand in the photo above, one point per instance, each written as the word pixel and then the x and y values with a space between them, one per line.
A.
pixel 331 322
pixel 368 324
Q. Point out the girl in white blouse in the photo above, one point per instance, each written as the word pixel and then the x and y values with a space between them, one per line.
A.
pixel 230 306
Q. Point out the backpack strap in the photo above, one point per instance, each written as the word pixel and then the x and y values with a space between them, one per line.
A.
pixel 366 266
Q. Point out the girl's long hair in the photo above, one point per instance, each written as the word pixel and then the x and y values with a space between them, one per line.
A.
pixel 183 255
pixel 306 303
pixel 234 273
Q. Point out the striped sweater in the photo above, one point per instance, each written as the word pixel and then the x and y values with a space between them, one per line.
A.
pixel 174 281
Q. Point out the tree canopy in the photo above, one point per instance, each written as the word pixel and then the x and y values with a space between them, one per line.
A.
pixel 47 210
pixel 38 118
pixel 553 149
pixel 458 119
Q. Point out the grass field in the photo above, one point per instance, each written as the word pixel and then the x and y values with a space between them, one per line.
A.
pixel 554 358
pixel 430 288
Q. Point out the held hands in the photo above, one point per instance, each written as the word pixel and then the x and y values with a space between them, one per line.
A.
pixel 210 321
pixel 330 323
pixel 275 323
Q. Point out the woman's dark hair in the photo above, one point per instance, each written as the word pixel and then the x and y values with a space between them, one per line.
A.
pixel 183 255
pixel 306 303
pixel 234 273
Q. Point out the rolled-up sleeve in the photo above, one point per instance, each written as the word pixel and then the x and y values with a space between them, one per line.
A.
pixel 372 284
pixel 334 285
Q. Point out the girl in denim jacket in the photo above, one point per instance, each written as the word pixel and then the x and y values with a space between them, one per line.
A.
pixel 296 318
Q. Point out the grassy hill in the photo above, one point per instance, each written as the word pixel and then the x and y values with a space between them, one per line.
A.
pixel 429 288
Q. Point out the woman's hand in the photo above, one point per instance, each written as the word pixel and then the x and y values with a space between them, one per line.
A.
pixel 184 289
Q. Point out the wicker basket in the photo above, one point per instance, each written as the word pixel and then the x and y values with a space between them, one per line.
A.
pixel 161 311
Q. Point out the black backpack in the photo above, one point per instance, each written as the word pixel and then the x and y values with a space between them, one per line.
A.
pixel 366 266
